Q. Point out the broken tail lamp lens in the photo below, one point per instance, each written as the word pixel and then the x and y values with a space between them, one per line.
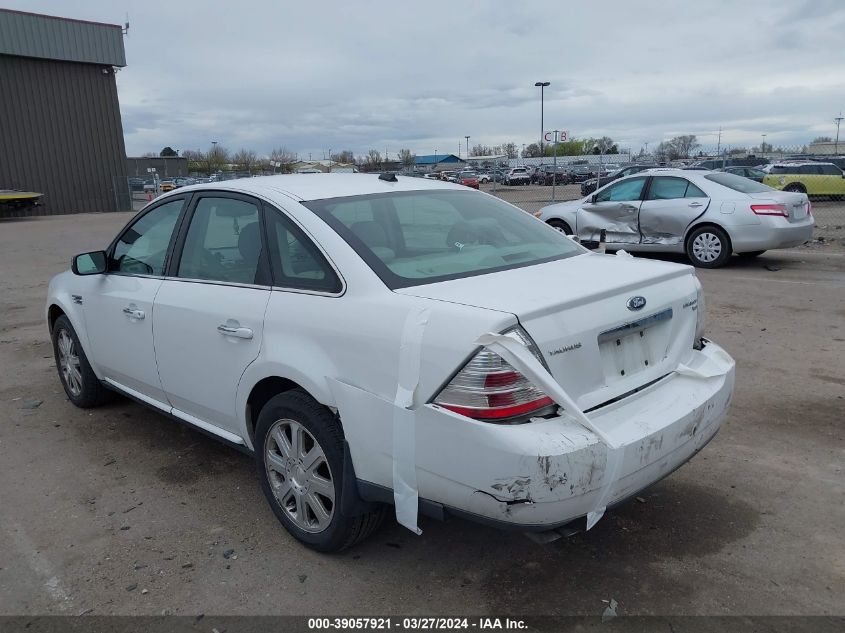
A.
pixel 770 209
pixel 490 389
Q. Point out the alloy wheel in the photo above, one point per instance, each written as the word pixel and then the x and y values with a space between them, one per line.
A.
pixel 299 475
pixel 69 363
pixel 707 247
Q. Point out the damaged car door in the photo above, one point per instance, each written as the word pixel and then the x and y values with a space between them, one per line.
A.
pixel 613 209
pixel 671 204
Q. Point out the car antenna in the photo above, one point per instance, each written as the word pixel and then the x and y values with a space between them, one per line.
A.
pixel 387 176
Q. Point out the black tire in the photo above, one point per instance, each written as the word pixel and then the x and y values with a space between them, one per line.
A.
pixel 713 236
pixel 89 392
pixel 342 531
pixel 795 188
pixel 750 254
pixel 560 225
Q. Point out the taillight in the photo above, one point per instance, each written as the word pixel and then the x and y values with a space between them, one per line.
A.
pixel 489 388
pixel 809 207
pixel 770 209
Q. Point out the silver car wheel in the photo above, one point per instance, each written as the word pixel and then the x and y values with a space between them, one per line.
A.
pixel 707 247
pixel 299 475
pixel 69 363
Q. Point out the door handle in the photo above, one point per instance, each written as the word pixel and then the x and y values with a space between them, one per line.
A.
pixel 133 313
pixel 237 332
pixel 629 207
pixel 695 204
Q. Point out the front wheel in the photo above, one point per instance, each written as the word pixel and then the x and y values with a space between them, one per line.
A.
pixel 299 456
pixel 80 383
pixel 708 247
pixel 561 226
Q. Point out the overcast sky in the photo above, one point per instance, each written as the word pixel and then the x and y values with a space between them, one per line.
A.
pixel 358 75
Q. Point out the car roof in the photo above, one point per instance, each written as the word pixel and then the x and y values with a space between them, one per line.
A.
pixel 304 187
pixel 800 163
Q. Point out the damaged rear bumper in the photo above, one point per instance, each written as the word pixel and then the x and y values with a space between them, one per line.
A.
pixel 549 472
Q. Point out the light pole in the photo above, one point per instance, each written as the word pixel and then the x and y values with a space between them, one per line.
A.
pixel 763 145
pixel 838 120
pixel 541 85
pixel 467 138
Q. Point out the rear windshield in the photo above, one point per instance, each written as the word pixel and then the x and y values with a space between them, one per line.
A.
pixel 738 183
pixel 419 237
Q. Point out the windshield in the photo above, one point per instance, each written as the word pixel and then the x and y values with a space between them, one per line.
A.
pixel 419 237
pixel 738 183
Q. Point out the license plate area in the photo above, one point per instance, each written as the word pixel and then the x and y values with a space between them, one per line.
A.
pixel 799 212
pixel 633 347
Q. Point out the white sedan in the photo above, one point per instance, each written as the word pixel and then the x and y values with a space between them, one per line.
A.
pixel 378 340
pixel 708 215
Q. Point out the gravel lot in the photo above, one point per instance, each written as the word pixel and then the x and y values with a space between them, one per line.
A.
pixel 122 511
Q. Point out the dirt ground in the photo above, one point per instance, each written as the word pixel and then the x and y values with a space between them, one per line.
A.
pixel 122 511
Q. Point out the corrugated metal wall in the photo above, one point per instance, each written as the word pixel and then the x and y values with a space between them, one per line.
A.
pixel 61 135
pixel 46 36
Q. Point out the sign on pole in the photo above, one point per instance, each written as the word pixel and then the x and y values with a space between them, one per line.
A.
pixel 558 136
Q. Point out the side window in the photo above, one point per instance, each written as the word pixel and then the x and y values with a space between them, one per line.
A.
pixel 297 262
pixel 663 188
pixel 831 170
pixel 694 192
pixel 223 242
pixel 142 247
pixel 814 170
pixel 626 190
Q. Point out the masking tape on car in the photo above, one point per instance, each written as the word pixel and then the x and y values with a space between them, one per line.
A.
pixel 521 358
pixel 405 495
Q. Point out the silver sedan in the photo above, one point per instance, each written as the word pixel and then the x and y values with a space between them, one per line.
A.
pixel 708 215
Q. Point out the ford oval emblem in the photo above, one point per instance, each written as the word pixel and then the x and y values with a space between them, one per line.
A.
pixel 636 303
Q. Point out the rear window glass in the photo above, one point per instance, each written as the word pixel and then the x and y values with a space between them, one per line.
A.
pixel 418 237
pixel 738 183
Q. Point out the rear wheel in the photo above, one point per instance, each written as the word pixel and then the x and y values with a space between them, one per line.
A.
pixel 795 187
pixel 299 456
pixel 708 247
pixel 751 254
pixel 561 226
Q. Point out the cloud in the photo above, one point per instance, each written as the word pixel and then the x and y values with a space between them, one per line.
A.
pixel 386 75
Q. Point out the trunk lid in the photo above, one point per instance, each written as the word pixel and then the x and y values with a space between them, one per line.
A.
pixel 798 204
pixel 577 312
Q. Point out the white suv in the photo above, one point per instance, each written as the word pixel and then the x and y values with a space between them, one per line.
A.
pixel 376 340
pixel 518 176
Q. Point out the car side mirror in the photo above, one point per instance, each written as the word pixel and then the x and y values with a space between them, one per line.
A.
pixel 93 263
pixel 593 198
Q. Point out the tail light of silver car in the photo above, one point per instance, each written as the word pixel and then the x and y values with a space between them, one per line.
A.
pixel 489 388
pixel 770 209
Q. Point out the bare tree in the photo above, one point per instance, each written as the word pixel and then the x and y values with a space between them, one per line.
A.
pixel 149 155
pixel 686 144
pixel 284 157
pixel 822 139
pixel 407 158
pixel 346 156
pixel 531 150
pixel 372 161
pixel 509 149
pixel 480 150
pixel 245 159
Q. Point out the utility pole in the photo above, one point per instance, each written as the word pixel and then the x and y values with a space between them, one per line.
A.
pixel 541 85
pixel 467 138
pixel 838 120
pixel 763 145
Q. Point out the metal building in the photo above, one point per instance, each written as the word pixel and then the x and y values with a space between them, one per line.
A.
pixel 60 128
